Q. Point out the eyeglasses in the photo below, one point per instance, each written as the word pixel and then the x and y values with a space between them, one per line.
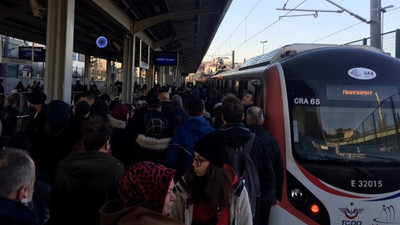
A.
pixel 198 161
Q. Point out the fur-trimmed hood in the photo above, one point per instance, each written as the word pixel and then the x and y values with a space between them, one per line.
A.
pixel 115 123
pixel 152 143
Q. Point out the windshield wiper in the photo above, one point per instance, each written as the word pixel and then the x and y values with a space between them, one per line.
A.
pixel 383 158
pixel 347 162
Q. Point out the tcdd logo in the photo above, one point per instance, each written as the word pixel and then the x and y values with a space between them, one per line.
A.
pixel 351 212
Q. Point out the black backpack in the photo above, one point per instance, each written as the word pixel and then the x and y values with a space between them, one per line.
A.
pixel 240 160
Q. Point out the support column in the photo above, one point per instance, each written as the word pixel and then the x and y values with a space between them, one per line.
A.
pixel 162 77
pixel 168 80
pixel 87 70
pixel 128 69
pixel 59 45
pixel 108 76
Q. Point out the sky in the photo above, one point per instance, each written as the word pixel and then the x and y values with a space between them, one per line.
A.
pixel 248 22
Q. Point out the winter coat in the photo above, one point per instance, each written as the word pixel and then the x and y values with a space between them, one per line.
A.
pixel 83 183
pixel 113 213
pixel 180 149
pixel 13 212
pixel 239 212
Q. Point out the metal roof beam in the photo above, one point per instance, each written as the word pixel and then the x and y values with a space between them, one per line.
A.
pixel 148 22
pixel 115 12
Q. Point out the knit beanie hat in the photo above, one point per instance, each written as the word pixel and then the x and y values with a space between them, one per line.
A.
pixel 58 112
pixel 212 148
pixel 37 98
pixel 81 109
pixel 120 112
pixel 145 184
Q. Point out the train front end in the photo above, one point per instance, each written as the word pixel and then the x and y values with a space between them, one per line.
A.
pixel 336 114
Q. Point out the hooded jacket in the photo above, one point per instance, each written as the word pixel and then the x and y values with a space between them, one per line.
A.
pixel 83 183
pixel 239 212
pixel 180 150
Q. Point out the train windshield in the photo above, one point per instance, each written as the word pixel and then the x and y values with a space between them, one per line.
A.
pixel 345 122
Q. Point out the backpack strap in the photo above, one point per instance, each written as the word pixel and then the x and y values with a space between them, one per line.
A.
pixel 238 187
pixel 249 144
pixel 180 186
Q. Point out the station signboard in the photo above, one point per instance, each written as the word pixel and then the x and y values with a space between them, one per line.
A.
pixel 165 58
pixel 26 53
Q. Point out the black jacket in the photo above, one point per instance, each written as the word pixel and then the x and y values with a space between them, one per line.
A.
pixel 83 183
pixel 276 158
pixel 236 135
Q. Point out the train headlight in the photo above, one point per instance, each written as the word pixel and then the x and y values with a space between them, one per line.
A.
pixel 296 194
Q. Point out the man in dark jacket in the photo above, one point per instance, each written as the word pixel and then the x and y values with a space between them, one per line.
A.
pixel 17 178
pixel 33 126
pixel 236 135
pixel 273 196
pixel 85 181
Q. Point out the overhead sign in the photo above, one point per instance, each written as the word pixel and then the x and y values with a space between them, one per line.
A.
pixel 165 58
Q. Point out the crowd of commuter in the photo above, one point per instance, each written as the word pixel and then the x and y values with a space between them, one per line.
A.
pixel 99 161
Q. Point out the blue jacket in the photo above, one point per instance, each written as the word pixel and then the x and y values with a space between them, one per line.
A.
pixel 180 149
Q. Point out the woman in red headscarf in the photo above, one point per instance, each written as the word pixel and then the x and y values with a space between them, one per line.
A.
pixel 146 197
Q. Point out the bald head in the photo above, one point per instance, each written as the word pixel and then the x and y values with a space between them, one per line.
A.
pixel 254 116
pixel 17 174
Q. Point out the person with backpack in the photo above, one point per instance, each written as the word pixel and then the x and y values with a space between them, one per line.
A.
pixel 272 183
pixel 210 192
pixel 257 166
pixel 180 149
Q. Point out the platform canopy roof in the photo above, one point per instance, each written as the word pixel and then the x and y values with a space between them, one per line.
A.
pixel 183 26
